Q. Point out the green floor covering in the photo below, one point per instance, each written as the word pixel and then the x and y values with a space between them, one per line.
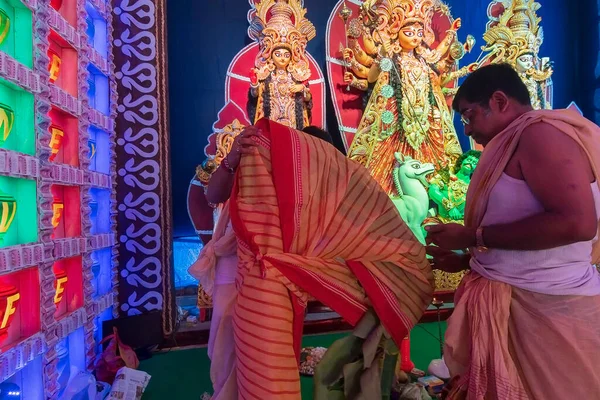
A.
pixel 183 374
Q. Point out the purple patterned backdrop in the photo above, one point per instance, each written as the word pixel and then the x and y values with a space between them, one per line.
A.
pixel 143 166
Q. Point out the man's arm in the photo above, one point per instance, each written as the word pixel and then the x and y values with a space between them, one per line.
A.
pixel 219 186
pixel 558 173
pixel 221 182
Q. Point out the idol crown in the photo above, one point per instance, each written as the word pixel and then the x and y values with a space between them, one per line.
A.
pixel 408 10
pixel 280 23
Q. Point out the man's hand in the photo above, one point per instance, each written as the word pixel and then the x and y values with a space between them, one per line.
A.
pixel 242 144
pixel 451 236
pixel 447 261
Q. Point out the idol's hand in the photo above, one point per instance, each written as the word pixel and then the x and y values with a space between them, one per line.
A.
pixel 456 24
pixel 451 236
pixel 348 78
pixel 253 77
pixel 297 88
pixel 242 144
pixel 455 214
pixel 348 55
pixel 383 49
pixel 447 261
pixel 472 67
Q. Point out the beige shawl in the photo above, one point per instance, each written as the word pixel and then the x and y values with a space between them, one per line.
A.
pixel 222 244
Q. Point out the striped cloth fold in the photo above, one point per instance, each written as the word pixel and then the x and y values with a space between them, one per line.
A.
pixel 311 223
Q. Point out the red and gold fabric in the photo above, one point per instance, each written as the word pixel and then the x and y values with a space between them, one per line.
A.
pixel 311 223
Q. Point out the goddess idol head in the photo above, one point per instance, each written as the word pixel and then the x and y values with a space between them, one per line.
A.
pixel 282 32
pixel 400 25
pixel 516 36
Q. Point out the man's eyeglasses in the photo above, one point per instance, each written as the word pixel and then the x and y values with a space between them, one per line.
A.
pixel 464 118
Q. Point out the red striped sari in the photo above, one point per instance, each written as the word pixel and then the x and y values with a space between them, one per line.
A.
pixel 311 223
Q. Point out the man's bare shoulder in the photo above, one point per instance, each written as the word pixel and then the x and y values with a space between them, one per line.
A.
pixel 544 139
pixel 545 147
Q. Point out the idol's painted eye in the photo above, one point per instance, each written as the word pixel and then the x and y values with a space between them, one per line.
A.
pixel 408 33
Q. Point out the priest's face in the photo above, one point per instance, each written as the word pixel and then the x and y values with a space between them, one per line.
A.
pixel 483 121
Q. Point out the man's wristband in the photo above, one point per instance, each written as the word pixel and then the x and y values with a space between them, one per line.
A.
pixel 479 240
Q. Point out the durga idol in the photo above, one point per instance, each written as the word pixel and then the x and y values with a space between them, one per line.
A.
pixel 407 111
pixel 279 88
pixel 515 38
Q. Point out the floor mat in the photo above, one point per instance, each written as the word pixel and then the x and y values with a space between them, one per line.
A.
pixel 184 374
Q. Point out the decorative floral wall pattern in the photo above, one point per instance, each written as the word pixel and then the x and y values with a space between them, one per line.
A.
pixel 143 177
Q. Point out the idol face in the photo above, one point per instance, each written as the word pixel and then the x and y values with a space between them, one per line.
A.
pixel 525 63
pixel 411 36
pixel 281 58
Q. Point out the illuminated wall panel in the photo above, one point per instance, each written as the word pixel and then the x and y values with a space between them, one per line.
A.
pixel 102 268
pixel 17 126
pixel 68 286
pixel 19 307
pixel 17 36
pixel 64 72
pixel 57 240
pixel 71 358
pixel 66 218
pixel 64 139
pixel 99 91
pixel 99 150
pixel 101 211
pixel 67 10
pixel 96 30
pixel 28 382
pixel 23 228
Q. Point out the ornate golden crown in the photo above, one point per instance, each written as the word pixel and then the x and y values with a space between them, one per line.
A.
pixel 281 23
pixel 387 17
pixel 518 30
pixel 400 11
pixel 416 10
